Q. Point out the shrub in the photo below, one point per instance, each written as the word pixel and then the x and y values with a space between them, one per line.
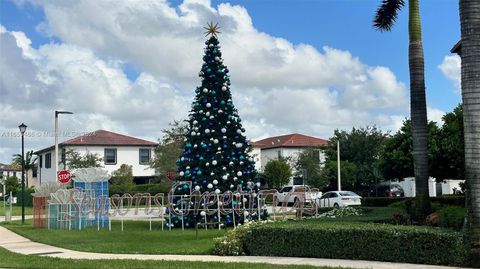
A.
pixel 358 241
pixel 340 212
pixel 381 201
pixel 452 217
pixel 233 242
pixel 458 200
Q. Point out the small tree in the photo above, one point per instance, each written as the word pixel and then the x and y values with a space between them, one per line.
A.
pixel 348 174
pixel 11 185
pixel 169 148
pixel 308 165
pixel 277 173
pixel 76 160
pixel 122 179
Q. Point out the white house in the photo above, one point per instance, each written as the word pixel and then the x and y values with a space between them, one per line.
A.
pixel 114 149
pixel 285 146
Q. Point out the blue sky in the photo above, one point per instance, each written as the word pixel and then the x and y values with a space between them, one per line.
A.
pixel 129 63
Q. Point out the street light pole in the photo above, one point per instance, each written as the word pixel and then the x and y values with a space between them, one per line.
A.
pixel 56 139
pixel 23 128
pixel 338 166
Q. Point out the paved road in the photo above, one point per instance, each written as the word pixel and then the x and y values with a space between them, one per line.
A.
pixel 22 245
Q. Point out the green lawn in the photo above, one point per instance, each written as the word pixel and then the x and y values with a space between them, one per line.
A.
pixel 14 260
pixel 17 210
pixel 136 238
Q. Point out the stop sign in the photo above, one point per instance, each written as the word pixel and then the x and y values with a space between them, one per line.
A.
pixel 64 176
pixel 171 175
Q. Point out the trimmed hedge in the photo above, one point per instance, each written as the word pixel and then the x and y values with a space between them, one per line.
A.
pixel 458 200
pixel 358 241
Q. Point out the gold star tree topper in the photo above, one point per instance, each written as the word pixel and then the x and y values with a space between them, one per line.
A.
pixel 212 29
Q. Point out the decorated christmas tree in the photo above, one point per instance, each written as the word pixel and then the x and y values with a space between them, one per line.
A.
pixel 215 155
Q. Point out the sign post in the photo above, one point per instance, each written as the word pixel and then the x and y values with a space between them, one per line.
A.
pixel 64 176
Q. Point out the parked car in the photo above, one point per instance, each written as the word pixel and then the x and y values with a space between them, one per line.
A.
pixel 389 190
pixel 339 198
pixel 292 193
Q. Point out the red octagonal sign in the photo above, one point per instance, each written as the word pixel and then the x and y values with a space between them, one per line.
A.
pixel 64 176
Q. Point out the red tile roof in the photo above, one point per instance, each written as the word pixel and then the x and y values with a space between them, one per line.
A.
pixel 104 138
pixel 290 140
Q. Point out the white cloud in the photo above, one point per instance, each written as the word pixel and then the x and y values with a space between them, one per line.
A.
pixel 450 68
pixel 277 86
pixel 435 114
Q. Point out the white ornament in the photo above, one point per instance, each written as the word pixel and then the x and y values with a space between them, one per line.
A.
pixel 215 182
pixel 195 146
pixel 207 131
pixel 195 122
pixel 224 168
pixel 209 105
pixel 181 173
pixel 212 173
pixel 214 162
pixel 224 88
pixel 212 117
pixel 224 177
pixel 220 111
pixel 235 178
pixel 241 162
pixel 217 58
pixel 193 134
pixel 239 173
pixel 219 148
pixel 228 122
pixel 207 164
pixel 215 141
pixel 244 200
pixel 230 163
pixel 205 90
pixel 207 114
pixel 231 186
pixel 197 188
pixel 209 185
pixel 239 145
pixel 224 130
pixel 202 213
pixel 258 184
pixel 246 213
pixel 217 191
pixel 239 131
pixel 254 195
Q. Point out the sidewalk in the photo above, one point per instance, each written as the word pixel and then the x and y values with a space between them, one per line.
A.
pixel 16 243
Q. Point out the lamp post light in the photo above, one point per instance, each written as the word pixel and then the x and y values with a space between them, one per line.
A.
pixel 56 138
pixel 23 128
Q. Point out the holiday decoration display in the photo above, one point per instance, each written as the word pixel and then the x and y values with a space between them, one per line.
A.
pixel 215 156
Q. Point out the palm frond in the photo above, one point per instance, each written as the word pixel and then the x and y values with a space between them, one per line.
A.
pixel 387 14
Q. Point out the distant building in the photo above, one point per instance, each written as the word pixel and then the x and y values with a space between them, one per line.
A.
pixel 285 147
pixel 9 171
pixel 114 149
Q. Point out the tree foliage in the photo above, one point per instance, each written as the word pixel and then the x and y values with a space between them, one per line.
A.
pixel 11 185
pixel 169 148
pixel 122 179
pixel 76 160
pixel 360 150
pixel 445 150
pixel 307 165
pixel 277 173
pixel 29 162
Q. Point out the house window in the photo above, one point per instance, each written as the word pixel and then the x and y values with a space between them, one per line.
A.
pixel 40 161
pixel 48 160
pixel 279 153
pixel 110 156
pixel 144 156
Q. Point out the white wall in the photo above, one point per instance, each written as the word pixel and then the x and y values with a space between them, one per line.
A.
pixel 125 155
pixel 257 157
pixel 449 184
pixel 286 152
pixel 408 186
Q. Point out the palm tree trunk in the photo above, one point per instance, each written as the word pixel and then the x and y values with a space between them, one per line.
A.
pixel 470 52
pixel 418 110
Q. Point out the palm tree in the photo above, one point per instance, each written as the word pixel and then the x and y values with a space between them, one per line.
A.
pixel 470 53
pixel 384 20
pixel 30 160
